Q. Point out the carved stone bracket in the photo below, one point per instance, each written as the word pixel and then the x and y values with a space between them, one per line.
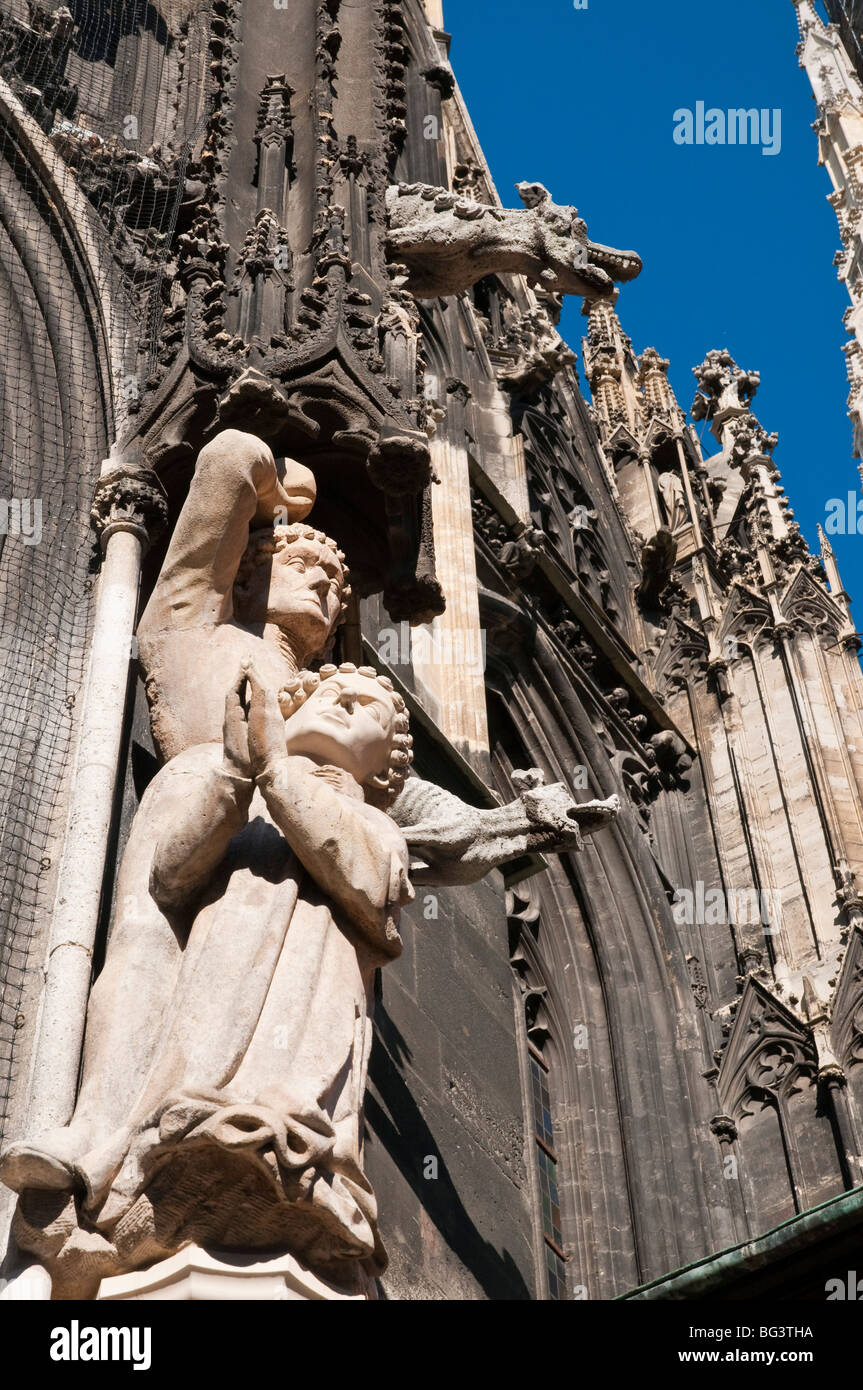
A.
pixel 195 1274
pixel 724 1128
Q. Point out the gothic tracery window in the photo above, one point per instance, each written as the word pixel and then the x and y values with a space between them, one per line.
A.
pixel 547 1165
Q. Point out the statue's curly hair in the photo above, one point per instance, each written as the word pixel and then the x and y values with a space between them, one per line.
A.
pixel 382 789
pixel 271 540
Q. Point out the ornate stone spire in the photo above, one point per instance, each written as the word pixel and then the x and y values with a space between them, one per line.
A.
pixel 823 56
pixel 608 361
pixel 629 391
pixel 838 95
pixel 724 397
pixel 807 16
pixel 837 588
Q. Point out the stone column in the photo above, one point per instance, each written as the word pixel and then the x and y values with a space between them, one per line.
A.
pixel 129 507
pixel 833 1078
pixel 726 1132
pixel 449 654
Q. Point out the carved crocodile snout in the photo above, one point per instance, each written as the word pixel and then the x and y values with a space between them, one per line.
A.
pixel 620 266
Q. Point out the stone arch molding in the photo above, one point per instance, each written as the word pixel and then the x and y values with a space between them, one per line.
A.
pixel 88 272
pixel 66 334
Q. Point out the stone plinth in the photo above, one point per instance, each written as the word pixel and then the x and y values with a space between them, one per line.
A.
pixel 194 1275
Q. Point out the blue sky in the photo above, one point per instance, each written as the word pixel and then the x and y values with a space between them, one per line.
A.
pixel 737 246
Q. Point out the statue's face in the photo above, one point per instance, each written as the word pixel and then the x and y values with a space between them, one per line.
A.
pixel 299 589
pixel 349 721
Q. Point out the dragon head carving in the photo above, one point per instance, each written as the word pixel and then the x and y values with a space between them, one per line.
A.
pixel 447 243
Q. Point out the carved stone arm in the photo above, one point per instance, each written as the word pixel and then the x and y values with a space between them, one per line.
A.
pixel 205 807
pixel 451 842
pixel 235 486
pixel 352 851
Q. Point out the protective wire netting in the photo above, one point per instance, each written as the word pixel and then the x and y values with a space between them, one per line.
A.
pixel 90 184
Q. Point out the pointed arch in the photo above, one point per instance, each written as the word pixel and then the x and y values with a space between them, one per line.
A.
pixel 63 323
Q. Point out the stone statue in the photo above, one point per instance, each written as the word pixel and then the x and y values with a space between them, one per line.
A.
pixel 228 1033
pixel 272 878
pixel 242 577
pixel 673 499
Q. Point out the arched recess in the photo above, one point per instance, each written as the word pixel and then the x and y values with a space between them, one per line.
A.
pixel 643 1181
pixel 788 1154
pixel 63 327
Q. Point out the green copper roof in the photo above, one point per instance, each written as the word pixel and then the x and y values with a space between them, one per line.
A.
pixel 797 1237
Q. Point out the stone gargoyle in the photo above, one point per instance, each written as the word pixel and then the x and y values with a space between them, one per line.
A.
pixel 448 242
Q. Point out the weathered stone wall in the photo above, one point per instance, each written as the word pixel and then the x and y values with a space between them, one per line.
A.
pixel 653 626
pixel 445 1115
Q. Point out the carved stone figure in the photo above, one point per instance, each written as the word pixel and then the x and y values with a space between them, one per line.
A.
pixel 242 577
pixel 673 499
pixel 448 243
pixel 239 581
pixel 229 1113
pixel 228 1033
